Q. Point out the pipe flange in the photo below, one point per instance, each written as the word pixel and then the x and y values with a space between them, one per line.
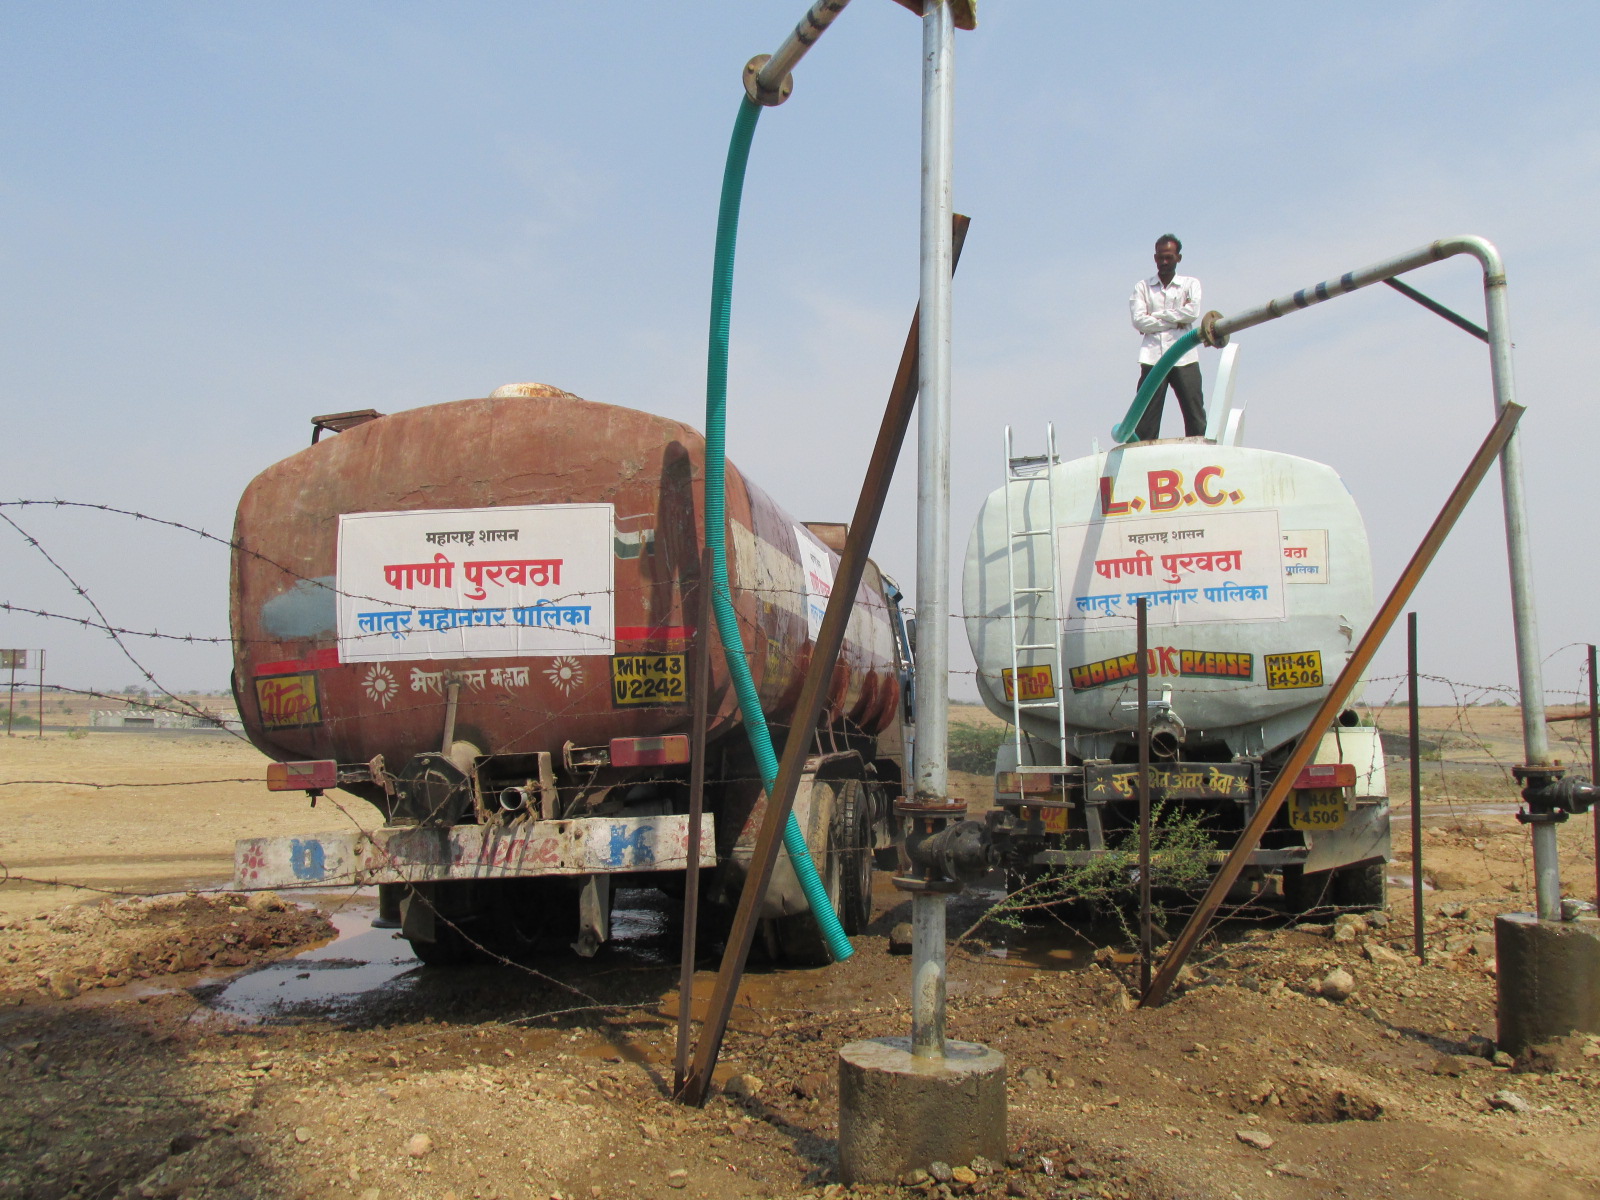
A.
pixel 1208 331
pixel 753 88
pixel 913 883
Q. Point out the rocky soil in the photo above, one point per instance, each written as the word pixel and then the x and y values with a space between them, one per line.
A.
pixel 117 942
pixel 1298 1059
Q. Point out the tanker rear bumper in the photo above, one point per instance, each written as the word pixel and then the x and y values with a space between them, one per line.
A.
pixel 417 854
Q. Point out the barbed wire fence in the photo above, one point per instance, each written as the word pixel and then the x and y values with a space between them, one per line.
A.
pixel 1466 769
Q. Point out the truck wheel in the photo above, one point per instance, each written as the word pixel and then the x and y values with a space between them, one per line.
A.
pixel 1304 894
pixel 853 815
pixel 1364 887
pixel 527 915
pixel 430 921
pixel 1032 912
pixel 449 947
pixel 798 938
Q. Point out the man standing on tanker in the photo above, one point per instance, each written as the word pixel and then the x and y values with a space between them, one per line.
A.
pixel 1164 307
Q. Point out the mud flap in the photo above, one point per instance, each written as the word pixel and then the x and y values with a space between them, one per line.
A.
pixel 1363 836
pixel 594 915
pixel 417 920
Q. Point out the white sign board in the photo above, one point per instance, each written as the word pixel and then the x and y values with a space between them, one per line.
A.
pixel 476 583
pixel 1194 569
pixel 1305 555
pixel 817 579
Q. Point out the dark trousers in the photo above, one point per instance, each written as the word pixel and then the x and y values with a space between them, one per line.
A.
pixel 1185 382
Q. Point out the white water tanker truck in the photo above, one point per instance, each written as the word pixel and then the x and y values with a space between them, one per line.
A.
pixel 1257 580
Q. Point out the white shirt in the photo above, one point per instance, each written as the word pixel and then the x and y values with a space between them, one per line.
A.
pixel 1163 313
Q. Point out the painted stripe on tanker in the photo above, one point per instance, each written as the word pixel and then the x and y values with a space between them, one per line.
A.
pixel 317 660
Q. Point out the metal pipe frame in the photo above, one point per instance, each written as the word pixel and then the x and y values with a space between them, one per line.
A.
pixel 930 759
pixel 1546 871
pixel 927 974
pixel 931 766
pixel 768 81
pixel 1439 310
pixel 1530 676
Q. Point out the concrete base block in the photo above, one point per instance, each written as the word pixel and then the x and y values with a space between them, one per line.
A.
pixel 898 1112
pixel 1547 978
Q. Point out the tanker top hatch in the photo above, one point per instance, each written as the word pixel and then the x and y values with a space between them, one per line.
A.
pixel 530 391
pixel 339 422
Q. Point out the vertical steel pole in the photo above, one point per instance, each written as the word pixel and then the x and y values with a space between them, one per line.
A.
pixel 930 766
pixel 11 696
pixel 1416 789
pixel 927 974
pixel 1546 871
pixel 933 411
pixel 1525 623
pixel 1524 619
pixel 1594 764
pixel 41 693
pixel 1146 940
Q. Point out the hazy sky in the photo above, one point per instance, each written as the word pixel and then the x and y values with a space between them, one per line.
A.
pixel 218 220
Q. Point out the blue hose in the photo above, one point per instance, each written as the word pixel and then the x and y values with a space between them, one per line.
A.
pixel 755 721
pixel 1152 383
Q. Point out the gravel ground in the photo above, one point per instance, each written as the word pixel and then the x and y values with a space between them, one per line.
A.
pixel 1307 1061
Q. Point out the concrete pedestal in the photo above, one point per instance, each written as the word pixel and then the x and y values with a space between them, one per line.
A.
pixel 1547 979
pixel 898 1112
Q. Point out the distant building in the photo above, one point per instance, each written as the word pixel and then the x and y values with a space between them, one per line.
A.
pixel 139 717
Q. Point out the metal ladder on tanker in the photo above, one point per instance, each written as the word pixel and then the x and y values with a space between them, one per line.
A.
pixel 1027 470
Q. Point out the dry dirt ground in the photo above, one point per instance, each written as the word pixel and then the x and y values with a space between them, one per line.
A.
pixel 527 1082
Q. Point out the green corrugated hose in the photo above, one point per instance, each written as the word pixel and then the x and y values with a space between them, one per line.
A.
pixel 755 721
pixel 1153 381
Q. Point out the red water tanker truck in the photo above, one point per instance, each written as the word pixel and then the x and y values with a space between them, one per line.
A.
pixel 477 619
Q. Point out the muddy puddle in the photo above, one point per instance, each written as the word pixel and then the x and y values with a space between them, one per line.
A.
pixel 325 979
pixel 368 976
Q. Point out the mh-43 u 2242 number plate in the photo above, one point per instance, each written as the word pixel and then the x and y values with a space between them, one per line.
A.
pixel 647 680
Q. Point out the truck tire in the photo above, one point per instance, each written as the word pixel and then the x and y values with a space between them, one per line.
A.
pixel 449 947
pixel 1361 888
pixel 799 940
pixel 853 814
pixel 527 915
pixel 1304 894
pixel 431 921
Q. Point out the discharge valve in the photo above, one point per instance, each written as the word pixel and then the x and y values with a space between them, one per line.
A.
pixel 1552 795
pixel 961 852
